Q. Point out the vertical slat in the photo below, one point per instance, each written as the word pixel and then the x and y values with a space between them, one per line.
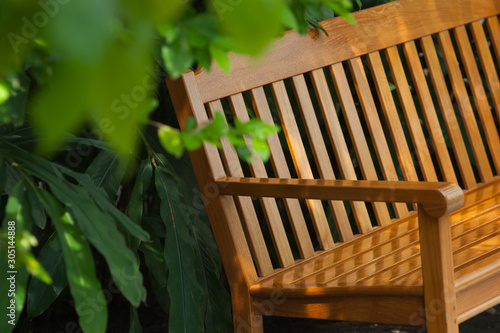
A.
pixel 269 206
pixel 494 31
pixel 410 112
pixel 300 160
pixel 429 112
pixel 392 117
pixel 437 272
pixel 480 98
pixel 487 63
pixel 357 136
pixel 375 127
pixel 447 112
pixel 323 161
pixel 281 170
pixel 245 205
pixel 464 105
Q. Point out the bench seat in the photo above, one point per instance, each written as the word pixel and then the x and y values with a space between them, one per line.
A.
pixel 385 263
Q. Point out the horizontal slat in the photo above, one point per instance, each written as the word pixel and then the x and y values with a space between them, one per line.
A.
pixel 294 54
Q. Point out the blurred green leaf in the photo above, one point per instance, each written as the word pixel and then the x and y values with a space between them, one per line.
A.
pixel 40 294
pixel 220 56
pixel 16 210
pixel 4 91
pixel 170 139
pixel 251 25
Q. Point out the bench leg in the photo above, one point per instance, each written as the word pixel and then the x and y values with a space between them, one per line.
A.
pixel 244 318
pixel 437 271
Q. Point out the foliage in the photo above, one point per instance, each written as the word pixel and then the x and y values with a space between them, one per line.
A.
pixel 111 202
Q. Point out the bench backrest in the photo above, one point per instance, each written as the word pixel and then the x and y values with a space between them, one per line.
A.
pixel 411 92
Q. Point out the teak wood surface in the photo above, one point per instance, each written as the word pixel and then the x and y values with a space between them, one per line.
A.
pixel 381 201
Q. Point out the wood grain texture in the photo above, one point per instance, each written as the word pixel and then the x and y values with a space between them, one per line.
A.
pixel 438 198
pixel 375 127
pixel 358 138
pixel 487 61
pixel 429 112
pixel 494 30
pixel 410 114
pixel 281 169
pixel 464 105
pixel 392 117
pixel 300 160
pixel 323 160
pixel 378 28
pixel 447 112
pixel 437 272
pixel 480 98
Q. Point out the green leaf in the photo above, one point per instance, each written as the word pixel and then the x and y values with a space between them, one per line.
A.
pixel 170 139
pixel 190 124
pixel 220 56
pixel 96 217
pixel 244 153
pixel 191 141
pixel 135 324
pixel 107 171
pixel 261 148
pixel 135 205
pixel 37 211
pixel 185 292
pixel 90 303
pixel 251 25
pixel 40 294
pixel 16 210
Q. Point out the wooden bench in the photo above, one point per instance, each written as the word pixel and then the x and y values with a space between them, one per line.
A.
pixel 402 108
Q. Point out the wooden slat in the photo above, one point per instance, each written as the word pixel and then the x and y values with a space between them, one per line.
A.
pixel 392 117
pixel 271 211
pixel 357 137
pixel 487 63
pixel 300 160
pixel 429 112
pixel 281 170
pixel 410 112
pixel 469 120
pixel 245 205
pixel 392 24
pixel 480 98
pixel 494 30
pixel 447 112
pixel 375 127
pixel 323 160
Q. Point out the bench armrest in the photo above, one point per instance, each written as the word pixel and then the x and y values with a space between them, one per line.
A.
pixel 436 198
